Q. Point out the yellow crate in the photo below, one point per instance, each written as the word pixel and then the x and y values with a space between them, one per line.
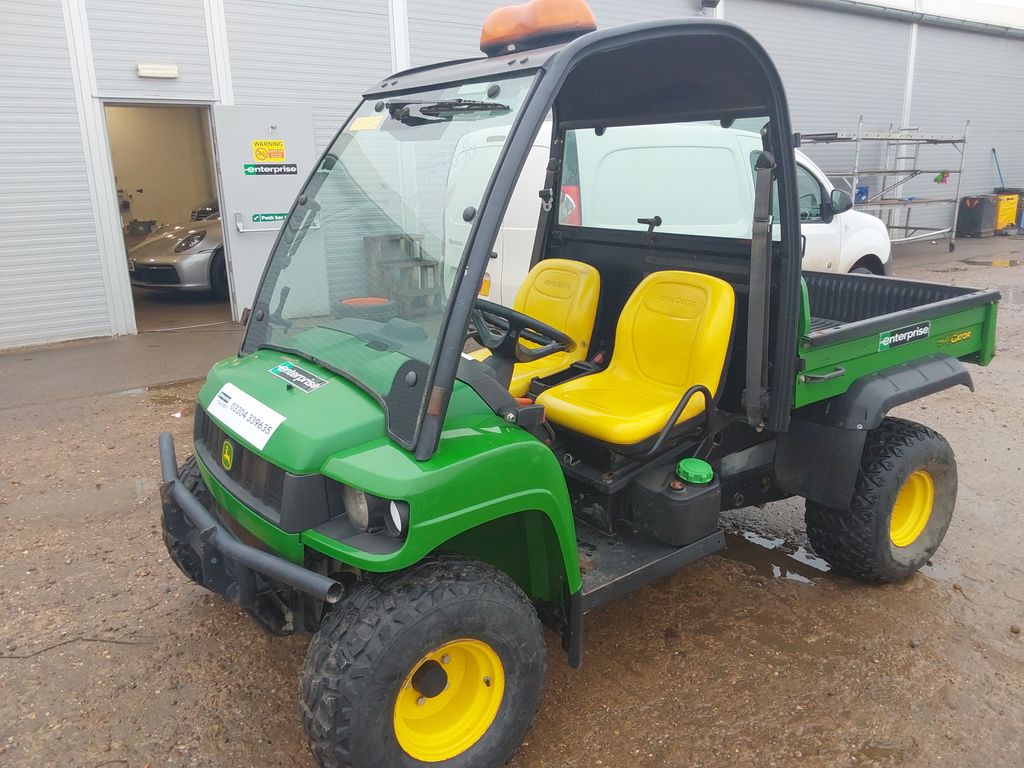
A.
pixel 1006 211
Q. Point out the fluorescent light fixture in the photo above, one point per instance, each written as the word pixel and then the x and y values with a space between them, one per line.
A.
pixel 163 71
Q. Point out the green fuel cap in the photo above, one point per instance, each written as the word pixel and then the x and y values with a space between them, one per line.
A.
pixel 695 471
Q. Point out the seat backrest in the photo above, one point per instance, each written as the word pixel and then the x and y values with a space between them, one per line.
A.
pixel 564 295
pixel 674 331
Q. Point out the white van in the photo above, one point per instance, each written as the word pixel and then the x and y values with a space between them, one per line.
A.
pixel 682 166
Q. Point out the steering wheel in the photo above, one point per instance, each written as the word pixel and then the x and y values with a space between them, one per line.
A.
pixel 500 329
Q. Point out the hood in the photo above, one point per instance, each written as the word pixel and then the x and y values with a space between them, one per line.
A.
pixel 319 419
pixel 162 242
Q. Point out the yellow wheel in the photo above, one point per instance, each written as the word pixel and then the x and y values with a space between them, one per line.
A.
pixel 912 509
pixel 901 506
pixel 449 700
pixel 439 665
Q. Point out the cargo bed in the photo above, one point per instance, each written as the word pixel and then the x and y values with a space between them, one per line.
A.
pixel 856 325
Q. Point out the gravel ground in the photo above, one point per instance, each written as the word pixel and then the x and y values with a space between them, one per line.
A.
pixel 108 657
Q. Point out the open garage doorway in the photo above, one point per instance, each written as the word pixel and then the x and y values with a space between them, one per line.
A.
pixel 170 216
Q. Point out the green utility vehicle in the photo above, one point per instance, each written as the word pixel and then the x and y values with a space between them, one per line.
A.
pixel 422 479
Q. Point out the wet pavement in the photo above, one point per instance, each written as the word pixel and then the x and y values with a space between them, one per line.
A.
pixel 755 657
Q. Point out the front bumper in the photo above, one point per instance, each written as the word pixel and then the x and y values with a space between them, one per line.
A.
pixel 228 564
pixel 180 272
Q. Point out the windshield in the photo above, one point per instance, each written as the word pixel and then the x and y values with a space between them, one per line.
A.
pixel 355 281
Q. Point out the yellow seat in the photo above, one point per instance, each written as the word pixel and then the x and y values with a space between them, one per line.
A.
pixel 564 295
pixel 673 333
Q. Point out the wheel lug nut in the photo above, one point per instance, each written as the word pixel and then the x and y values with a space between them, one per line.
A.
pixel 487 682
pixel 445 659
pixel 420 701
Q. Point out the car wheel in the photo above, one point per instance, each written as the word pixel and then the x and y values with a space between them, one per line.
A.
pixel 219 274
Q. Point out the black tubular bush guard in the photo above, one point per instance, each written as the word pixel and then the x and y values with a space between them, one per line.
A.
pixel 213 534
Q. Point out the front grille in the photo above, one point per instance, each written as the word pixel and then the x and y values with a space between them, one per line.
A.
pixel 158 274
pixel 257 476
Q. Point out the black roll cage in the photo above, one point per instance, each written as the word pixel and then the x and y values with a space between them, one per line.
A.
pixel 553 67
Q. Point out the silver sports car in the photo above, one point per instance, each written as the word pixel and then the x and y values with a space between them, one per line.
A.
pixel 182 257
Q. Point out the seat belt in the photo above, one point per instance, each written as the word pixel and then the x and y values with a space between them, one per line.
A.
pixel 759 296
pixel 547 195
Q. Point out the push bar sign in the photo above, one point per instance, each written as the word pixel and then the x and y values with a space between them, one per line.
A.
pixel 901 336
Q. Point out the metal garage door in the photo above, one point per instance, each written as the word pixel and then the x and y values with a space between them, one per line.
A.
pixel 440 30
pixel 51 279
pixel 962 75
pixel 318 53
pixel 835 65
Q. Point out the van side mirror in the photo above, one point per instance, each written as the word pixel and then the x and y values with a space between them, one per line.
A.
pixel 838 202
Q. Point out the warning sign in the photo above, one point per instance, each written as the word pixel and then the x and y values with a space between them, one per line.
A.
pixel 268 150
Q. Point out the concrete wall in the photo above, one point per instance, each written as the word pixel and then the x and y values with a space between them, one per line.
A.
pixel 164 151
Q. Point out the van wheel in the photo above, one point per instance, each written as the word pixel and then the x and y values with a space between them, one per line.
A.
pixel 442 663
pixel 902 505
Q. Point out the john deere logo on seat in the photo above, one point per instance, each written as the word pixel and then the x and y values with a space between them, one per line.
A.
pixel 227 455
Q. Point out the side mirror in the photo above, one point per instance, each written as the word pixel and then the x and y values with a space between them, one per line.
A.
pixel 838 202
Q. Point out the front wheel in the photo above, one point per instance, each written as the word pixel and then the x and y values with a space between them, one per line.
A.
pixel 441 664
pixel 902 505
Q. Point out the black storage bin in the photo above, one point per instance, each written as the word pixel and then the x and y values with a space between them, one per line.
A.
pixel 977 217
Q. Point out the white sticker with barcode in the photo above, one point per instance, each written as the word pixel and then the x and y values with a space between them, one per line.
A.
pixel 244 415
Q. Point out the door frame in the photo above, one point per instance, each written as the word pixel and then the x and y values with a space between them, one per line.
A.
pixel 108 212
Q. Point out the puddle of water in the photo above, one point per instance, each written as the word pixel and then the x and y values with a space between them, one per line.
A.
pixel 774 557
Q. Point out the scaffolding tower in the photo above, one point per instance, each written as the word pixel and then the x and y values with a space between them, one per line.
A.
pixel 900 164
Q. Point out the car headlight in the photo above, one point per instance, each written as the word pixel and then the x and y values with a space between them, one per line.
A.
pixel 397 519
pixel 191 240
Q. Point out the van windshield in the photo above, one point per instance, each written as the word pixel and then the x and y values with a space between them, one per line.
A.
pixel 355 281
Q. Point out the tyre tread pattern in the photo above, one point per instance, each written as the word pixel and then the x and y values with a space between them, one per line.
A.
pixel 850 539
pixel 356 634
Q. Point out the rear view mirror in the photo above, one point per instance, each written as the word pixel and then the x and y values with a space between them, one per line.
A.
pixel 838 202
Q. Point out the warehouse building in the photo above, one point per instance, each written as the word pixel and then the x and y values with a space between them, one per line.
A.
pixel 123 114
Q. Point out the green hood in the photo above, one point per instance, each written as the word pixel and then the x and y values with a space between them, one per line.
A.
pixel 331 418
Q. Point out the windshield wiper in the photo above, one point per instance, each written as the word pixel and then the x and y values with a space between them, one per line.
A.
pixel 439 110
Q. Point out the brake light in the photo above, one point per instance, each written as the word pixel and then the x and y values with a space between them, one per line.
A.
pixel 536 23
pixel 569 210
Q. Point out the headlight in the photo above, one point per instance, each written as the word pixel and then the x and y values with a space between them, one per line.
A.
pixel 397 519
pixel 357 506
pixel 190 241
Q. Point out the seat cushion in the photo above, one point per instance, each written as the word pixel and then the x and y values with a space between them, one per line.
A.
pixel 674 332
pixel 563 294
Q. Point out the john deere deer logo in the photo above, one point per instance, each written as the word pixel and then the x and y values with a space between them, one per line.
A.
pixel 227 455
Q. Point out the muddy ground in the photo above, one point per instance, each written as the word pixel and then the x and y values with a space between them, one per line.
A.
pixel 108 657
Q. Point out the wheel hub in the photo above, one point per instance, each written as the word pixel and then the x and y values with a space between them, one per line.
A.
pixel 912 509
pixel 449 700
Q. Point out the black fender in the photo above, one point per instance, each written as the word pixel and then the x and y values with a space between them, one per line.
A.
pixel 818 457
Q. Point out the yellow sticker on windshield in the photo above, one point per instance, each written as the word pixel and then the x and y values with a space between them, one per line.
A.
pixel 366 123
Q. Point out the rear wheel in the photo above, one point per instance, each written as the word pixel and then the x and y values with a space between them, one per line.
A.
pixel 902 505
pixel 441 664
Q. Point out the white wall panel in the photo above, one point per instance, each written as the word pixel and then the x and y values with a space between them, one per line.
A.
pixel 318 53
pixel 51 284
pixel 126 33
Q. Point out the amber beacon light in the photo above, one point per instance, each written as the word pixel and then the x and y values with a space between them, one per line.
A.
pixel 534 24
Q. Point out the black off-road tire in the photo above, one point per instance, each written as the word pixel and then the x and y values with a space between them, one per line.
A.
pixel 181 554
pixel 368 645
pixel 856 542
